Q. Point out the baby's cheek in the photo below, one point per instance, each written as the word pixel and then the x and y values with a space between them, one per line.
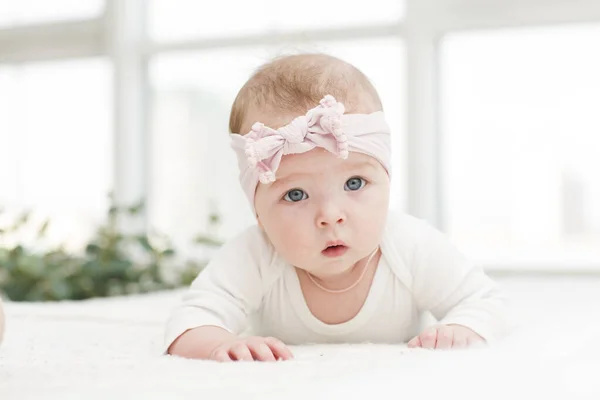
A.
pixel 374 216
pixel 371 229
pixel 297 244
pixel 291 241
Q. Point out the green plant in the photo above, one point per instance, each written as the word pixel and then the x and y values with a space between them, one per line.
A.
pixel 113 263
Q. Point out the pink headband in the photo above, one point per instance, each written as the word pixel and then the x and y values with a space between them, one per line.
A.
pixel 260 151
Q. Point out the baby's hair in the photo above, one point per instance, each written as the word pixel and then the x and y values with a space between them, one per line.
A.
pixel 296 83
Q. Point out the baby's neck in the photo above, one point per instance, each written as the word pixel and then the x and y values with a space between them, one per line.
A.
pixel 342 279
pixel 346 279
pixel 339 307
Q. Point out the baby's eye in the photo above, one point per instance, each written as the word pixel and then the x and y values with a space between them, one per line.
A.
pixel 355 183
pixel 295 195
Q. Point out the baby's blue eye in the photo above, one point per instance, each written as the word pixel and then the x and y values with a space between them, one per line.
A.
pixel 354 183
pixel 295 195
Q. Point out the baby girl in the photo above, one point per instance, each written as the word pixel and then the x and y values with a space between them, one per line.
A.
pixel 326 262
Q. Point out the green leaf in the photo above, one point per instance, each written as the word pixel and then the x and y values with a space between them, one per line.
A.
pixel 24 218
pixel 207 240
pixel 112 211
pixel 168 253
pixel 145 243
pixel 16 251
pixel 60 290
pixel 214 219
pixel 93 249
pixel 136 209
pixel 42 230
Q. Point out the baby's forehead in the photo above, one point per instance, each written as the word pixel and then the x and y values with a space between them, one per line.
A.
pixel 320 161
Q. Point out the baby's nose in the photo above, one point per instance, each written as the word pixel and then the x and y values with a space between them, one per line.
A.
pixel 331 215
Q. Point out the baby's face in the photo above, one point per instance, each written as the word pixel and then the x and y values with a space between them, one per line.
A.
pixel 318 201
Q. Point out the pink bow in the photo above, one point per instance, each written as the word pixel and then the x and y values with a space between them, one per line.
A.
pixel 320 127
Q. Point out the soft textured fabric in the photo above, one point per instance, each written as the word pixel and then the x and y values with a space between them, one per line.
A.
pixel 260 151
pixel 248 285
pixel 111 349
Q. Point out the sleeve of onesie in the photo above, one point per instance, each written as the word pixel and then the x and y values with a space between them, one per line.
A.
pixel 226 292
pixel 455 290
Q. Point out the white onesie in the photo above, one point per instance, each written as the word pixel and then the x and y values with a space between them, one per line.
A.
pixel 248 285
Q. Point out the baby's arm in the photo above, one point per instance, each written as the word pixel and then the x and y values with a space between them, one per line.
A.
pixel 466 302
pixel 200 342
pixel 215 310
pixel 214 343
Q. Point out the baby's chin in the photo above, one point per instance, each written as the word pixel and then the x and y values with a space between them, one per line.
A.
pixel 328 266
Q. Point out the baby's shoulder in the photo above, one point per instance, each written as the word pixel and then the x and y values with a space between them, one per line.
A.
pixel 404 230
pixel 252 249
pixel 250 238
pixel 404 236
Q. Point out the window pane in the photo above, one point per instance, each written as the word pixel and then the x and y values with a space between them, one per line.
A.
pixel 40 11
pixel 520 145
pixel 383 61
pixel 318 14
pixel 193 167
pixel 55 143
pixel 191 18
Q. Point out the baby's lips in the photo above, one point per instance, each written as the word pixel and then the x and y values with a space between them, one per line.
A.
pixel 332 243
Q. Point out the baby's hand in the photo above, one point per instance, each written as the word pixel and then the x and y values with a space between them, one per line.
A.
pixel 254 348
pixel 446 337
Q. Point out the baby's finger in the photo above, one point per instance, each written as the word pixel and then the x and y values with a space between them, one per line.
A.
pixel 240 352
pixel 279 349
pixel 474 339
pixel 428 338
pixel 414 342
pixel 221 356
pixel 445 337
pixel 460 340
pixel 261 351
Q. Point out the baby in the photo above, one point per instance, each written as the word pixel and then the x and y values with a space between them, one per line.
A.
pixel 327 262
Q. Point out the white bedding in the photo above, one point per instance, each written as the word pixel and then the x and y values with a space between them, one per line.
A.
pixel 110 349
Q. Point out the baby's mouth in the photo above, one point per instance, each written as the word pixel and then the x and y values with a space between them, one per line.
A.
pixel 335 250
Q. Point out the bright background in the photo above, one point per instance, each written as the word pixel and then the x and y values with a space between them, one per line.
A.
pixel 493 105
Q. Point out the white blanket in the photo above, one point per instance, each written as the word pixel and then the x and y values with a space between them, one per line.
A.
pixel 110 349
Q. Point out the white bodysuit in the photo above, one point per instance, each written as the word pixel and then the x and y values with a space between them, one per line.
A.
pixel 248 285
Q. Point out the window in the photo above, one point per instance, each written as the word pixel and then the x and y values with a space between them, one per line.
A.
pixel 194 19
pixel 22 12
pixel 56 143
pixel 193 169
pixel 520 145
pixel 317 14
